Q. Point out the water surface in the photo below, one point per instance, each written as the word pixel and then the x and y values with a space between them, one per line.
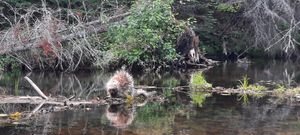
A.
pixel 218 114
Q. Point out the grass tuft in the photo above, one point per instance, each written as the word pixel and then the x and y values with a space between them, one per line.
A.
pixel 198 81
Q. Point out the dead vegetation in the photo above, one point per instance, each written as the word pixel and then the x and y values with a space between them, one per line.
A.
pixel 275 24
pixel 56 38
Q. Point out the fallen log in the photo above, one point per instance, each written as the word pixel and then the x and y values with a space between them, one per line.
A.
pixel 50 101
pixel 219 90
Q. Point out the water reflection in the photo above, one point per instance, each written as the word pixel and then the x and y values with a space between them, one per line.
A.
pixel 214 114
pixel 119 115
pixel 82 84
pixel 228 74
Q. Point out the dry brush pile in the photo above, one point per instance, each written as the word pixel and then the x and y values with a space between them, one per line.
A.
pixel 56 37
pixel 274 24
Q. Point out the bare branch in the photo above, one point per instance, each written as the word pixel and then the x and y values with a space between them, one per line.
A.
pixel 36 88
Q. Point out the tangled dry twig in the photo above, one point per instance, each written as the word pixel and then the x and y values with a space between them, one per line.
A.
pixel 56 38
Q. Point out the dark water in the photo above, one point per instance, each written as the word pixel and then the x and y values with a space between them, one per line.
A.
pixel 218 114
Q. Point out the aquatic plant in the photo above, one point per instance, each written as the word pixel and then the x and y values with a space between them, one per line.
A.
pixel 244 85
pixel 154 114
pixel 280 89
pixel 257 87
pixel 198 98
pixel 244 97
pixel 293 91
pixel 198 82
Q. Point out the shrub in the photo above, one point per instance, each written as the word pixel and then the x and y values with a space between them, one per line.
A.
pixel 148 35
pixel 8 63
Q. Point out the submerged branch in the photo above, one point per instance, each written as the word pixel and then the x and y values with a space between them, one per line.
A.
pixel 35 110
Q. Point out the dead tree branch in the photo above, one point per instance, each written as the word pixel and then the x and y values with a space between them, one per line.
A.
pixel 36 88
pixel 89 28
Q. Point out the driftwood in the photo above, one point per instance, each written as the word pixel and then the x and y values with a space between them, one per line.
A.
pixel 219 90
pixel 39 100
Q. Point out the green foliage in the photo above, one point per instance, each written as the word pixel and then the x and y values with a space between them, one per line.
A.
pixel 280 89
pixel 149 34
pixel 167 93
pixel 257 87
pixel 171 82
pixel 225 7
pixel 11 79
pixel 244 85
pixel 8 62
pixel 198 81
pixel 244 98
pixel 198 98
pixel 219 23
pixel 155 114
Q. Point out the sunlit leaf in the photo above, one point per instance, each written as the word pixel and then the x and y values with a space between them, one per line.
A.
pixel 129 99
pixel 15 116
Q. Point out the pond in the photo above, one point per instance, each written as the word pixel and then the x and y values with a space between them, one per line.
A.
pixel 216 114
